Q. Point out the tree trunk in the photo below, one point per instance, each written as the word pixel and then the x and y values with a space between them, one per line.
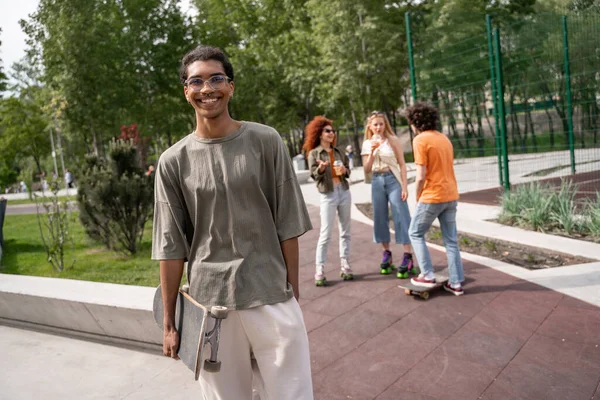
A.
pixel 550 127
pixel 355 140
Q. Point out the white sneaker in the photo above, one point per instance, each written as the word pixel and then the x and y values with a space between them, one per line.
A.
pixel 320 275
pixel 345 270
pixel 345 266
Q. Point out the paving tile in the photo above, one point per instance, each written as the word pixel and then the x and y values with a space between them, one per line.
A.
pixel 328 344
pixel 394 393
pixel 433 320
pixel 508 318
pixel 535 294
pixel 485 348
pixel 596 395
pixel 573 324
pixel 550 369
pixel 334 304
pixel 313 320
pixel 392 302
pixel 448 378
pixel 496 392
pixel 569 301
pixel 366 286
pixel 374 366
pixel 363 322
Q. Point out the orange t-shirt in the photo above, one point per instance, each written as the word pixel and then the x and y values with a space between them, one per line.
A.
pixel 434 150
pixel 331 161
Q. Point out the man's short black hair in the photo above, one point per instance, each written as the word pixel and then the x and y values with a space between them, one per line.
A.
pixel 204 53
pixel 423 116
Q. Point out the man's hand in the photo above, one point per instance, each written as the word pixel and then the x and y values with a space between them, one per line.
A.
pixel 404 194
pixel 170 341
pixel 322 165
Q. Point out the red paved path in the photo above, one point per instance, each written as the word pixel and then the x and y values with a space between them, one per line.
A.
pixel 506 339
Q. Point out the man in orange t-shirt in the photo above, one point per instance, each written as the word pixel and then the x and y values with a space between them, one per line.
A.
pixel 437 196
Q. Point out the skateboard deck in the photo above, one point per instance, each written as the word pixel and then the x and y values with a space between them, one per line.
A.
pixel 423 292
pixel 191 321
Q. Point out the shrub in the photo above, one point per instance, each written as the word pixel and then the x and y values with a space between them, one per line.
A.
pixel 116 197
pixel 592 216
pixel 564 212
pixel 54 226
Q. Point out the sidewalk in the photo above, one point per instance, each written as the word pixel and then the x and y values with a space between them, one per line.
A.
pixel 505 339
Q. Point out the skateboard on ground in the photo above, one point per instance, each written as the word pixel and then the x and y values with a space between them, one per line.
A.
pixel 191 320
pixel 423 292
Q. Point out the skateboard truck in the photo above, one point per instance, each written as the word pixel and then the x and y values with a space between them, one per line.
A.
pixel 211 364
pixel 219 313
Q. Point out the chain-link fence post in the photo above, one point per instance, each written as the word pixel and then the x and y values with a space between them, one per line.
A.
pixel 568 92
pixel 411 62
pixel 501 109
pixel 488 21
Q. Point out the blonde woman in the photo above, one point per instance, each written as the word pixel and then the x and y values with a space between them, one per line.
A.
pixel 383 156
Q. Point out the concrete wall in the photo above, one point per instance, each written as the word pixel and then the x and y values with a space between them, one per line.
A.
pixel 111 313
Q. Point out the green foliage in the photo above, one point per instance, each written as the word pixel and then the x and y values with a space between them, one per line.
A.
pixel 116 198
pixel 54 226
pixel 3 78
pixel 564 210
pixel 592 216
pixel 24 254
pixel 540 207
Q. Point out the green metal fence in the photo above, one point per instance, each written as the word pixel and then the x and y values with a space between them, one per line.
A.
pixel 520 101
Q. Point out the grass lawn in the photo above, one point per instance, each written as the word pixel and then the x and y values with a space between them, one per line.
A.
pixel 48 199
pixel 24 254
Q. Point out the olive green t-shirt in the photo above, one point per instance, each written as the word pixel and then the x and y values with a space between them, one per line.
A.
pixel 225 205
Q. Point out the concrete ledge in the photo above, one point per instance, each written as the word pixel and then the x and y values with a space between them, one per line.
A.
pixel 302 176
pixel 106 312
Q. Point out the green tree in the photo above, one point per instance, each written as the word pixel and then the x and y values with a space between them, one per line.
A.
pixel 3 77
pixel 23 128
pixel 116 198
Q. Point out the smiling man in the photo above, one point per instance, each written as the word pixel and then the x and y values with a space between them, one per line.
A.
pixel 227 201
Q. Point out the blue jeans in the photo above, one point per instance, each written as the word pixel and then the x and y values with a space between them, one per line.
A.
pixel 424 216
pixel 339 201
pixel 386 189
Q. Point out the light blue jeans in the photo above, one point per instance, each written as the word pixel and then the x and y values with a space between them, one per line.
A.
pixel 339 201
pixel 385 189
pixel 424 216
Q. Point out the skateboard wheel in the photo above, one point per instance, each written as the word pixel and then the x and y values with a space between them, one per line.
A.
pixel 424 295
pixel 407 291
pixel 219 312
pixel 210 366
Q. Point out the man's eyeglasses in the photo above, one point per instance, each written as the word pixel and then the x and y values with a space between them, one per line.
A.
pixel 214 82
pixel 327 130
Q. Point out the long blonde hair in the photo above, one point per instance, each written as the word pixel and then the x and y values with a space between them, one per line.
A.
pixel 387 132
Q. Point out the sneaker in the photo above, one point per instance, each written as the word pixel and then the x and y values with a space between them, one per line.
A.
pixel 422 281
pixel 320 279
pixel 455 291
pixel 345 270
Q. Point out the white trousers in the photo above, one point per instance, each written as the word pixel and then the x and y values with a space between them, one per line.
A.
pixel 280 370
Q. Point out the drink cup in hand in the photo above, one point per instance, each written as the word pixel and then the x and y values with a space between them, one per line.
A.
pixel 337 165
pixel 375 141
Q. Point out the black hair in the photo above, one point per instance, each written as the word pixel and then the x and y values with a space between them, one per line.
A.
pixel 423 116
pixel 204 53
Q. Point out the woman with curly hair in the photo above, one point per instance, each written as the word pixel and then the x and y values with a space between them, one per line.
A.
pixel 330 169
pixel 383 157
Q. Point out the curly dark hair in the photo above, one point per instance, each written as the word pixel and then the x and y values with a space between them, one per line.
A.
pixel 423 116
pixel 312 132
pixel 204 53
